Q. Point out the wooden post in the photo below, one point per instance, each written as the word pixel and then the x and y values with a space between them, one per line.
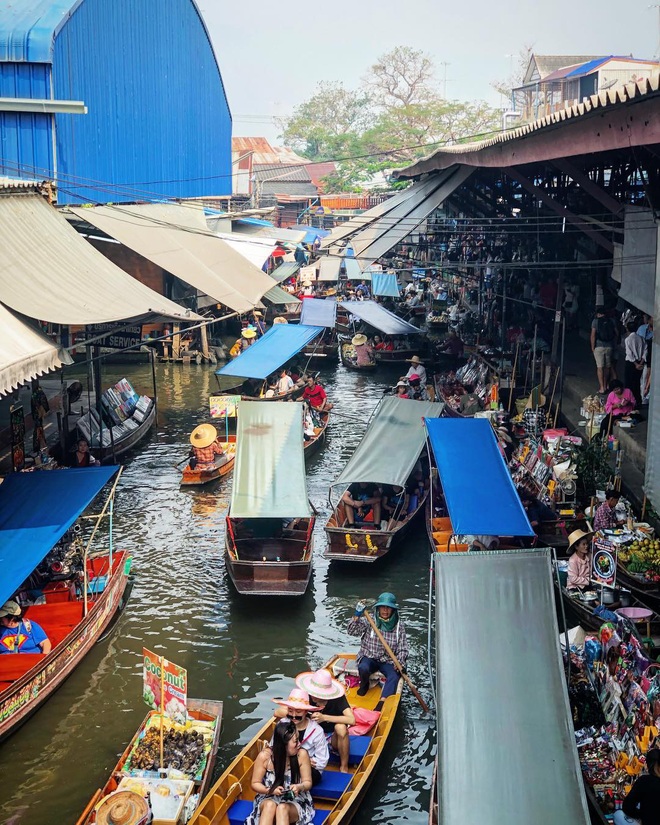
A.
pixel 153 381
pixel 205 342
pixel 176 342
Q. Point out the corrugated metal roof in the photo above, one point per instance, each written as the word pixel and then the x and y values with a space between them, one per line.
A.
pixel 287 187
pixel 547 63
pixel 465 153
pixel 28 28
pixel 282 173
pixel 262 151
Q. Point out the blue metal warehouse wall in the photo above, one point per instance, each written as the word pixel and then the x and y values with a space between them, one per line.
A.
pixel 158 122
pixel 26 140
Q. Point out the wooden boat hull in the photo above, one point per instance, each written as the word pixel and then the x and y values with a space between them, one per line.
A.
pixel 200 709
pixel 322 355
pixel 350 364
pixel 131 440
pixel 271 565
pixel 197 477
pixel 397 356
pixel 313 446
pixel 231 791
pixel 23 696
pixel 361 544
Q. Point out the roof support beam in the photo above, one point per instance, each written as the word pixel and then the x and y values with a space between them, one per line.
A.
pixel 558 209
pixel 45 107
pixel 589 186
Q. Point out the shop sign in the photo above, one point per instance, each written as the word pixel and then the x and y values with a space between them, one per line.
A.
pixel 122 338
pixel 604 562
pixel 165 685
pixel 224 406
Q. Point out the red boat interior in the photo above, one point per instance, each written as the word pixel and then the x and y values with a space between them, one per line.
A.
pixel 61 614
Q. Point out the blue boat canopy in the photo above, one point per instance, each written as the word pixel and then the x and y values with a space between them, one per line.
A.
pixel 480 495
pixel 276 347
pixel 385 283
pixel 318 312
pixel 354 270
pixel 36 510
pixel 380 318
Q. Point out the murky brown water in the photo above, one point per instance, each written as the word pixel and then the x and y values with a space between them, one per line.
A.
pixel 242 651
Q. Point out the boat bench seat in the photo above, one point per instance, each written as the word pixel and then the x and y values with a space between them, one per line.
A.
pixel 15 665
pixel 357 749
pixel 242 808
pixel 332 785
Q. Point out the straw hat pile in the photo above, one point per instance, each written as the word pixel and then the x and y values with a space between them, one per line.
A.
pixel 123 808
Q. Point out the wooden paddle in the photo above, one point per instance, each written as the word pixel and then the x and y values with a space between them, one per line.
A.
pixel 397 664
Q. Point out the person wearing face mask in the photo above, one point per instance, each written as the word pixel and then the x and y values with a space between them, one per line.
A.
pixel 311 735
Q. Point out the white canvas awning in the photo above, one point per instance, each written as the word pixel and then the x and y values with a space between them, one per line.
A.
pixel 256 250
pixel 376 231
pixel 176 238
pixel 329 269
pixel 48 271
pixel 25 352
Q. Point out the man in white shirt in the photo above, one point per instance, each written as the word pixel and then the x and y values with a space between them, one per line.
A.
pixel 417 368
pixel 285 384
pixel 635 347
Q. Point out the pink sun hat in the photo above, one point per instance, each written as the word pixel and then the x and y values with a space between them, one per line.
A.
pixel 298 700
pixel 320 684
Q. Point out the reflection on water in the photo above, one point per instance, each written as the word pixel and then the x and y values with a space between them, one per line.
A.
pixel 242 651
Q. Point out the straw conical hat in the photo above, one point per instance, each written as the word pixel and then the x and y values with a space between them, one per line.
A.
pixel 280 320
pixel 123 808
pixel 358 340
pixel 203 436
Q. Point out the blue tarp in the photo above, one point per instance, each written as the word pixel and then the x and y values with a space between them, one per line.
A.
pixel 480 495
pixel 313 232
pixel 36 510
pixel 281 342
pixel 380 318
pixel 318 312
pixel 384 283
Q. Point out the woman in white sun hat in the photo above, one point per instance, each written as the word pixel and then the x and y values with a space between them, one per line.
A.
pixel 333 713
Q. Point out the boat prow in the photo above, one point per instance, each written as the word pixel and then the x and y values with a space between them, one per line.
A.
pixel 337 797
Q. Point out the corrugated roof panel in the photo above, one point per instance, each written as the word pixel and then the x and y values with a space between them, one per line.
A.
pixel 28 27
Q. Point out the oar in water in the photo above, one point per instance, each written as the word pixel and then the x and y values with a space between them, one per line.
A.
pixel 397 664
pixel 186 460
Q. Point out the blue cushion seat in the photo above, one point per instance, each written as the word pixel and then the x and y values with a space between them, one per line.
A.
pixel 357 749
pixel 332 785
pixel 242 808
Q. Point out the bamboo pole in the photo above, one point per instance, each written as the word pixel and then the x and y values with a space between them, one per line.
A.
pixel 91 538
pixel 512 383
pixel 162 708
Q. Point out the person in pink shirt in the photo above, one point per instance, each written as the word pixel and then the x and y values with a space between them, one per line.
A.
pixel 579 564
pixel 619 402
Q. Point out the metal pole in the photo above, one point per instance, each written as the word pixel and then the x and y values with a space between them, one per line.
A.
pixel 561 364
pixel 153 379
pixel 503 321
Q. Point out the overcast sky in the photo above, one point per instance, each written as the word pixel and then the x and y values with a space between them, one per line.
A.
pixel 272 54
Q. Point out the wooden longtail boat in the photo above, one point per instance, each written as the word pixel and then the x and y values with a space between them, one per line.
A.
pixel 130 440
pixel 198 477
pixel 199 710
pixel 321 356
pixel 347 357
pixel 351 543
pixel 314 444
pixel 338 795
pixel 28 679
pixel 397 356
pixel 269 562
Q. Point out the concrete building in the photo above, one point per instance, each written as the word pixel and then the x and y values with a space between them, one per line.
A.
pixel 114 100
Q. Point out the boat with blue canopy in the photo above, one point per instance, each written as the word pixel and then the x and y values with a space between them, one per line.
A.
pixel 268 540
pixel 384 473
pixel 58 584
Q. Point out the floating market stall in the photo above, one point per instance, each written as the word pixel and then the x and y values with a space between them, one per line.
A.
pixel 263 556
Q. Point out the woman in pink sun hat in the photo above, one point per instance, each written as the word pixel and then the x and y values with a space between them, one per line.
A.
pixel 310 734
pixel 333 713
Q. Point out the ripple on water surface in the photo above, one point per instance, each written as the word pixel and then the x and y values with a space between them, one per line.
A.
pixel 242 651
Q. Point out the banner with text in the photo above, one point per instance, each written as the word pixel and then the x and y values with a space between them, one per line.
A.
pixel 174 682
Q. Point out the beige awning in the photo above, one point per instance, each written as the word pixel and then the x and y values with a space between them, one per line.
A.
pixel 176 237
pixel 25 352
pixel 48 271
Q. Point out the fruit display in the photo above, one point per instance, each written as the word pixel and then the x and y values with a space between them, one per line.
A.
pixel 642 557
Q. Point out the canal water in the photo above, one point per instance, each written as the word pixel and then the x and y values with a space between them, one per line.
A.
pixel 241 650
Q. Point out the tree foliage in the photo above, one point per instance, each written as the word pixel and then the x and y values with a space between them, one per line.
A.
pixel 397 114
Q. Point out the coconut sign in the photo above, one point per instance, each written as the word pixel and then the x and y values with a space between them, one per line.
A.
pixel 165 686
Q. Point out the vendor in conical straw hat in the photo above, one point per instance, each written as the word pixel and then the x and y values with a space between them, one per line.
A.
pixel 416 368
pixel 363 351
pixel 579 564
pixel 123 808
pixel 205 447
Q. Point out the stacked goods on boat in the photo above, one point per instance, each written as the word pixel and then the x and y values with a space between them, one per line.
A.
pixel 123 412
pixel 546 469
pixel 614 691
pixel 472 380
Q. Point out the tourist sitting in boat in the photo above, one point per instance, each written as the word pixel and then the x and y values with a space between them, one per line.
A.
pixel 362 291
pixel 641 805
pixel 392 505
pixel 285 383
pixel 282 778
pixel 452 345
pixel 606 518
pixel 206 450
pixel 82 456
pixel 363 350
pixel 417 391
pixel 18 635
pixel 311 735
pixel 315 395
pixel 372 656
pixel 309 423
pixel 482 542
pixel 332 711
pixel 360 500
pixel 271 392
pixel 402 390
pixel 536 510
pixel 579 564
pixel 416 368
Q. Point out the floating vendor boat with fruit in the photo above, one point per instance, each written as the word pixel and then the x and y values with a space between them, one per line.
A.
pixel 268 541
pixel 638 568
pixel 338 795
pixel 189 752
pixel 50 574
